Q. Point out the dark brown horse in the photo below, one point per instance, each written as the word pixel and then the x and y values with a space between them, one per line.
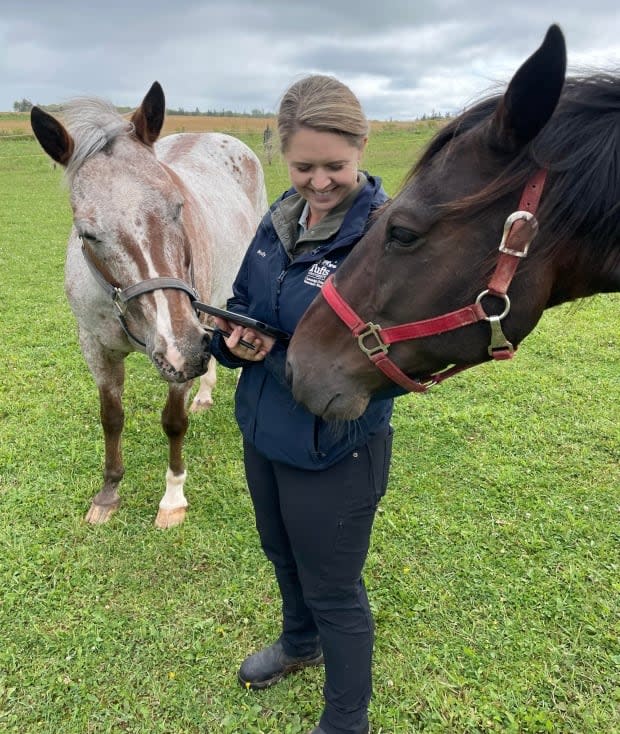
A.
pixel 426 293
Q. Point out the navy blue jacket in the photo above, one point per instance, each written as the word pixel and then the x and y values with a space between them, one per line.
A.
pixel 276 290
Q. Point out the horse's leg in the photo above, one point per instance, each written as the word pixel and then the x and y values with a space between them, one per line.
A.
pixel 204 398
pixel 174 421
pixel 110 384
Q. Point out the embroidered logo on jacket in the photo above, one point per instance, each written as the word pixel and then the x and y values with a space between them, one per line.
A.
pixel 262 253
pixel 319 272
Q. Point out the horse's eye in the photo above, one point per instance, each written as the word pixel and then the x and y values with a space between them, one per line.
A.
pixel 178 210
pixel 402 237
pixel 88 237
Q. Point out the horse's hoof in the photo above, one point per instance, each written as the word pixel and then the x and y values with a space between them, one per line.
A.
pixel 170 518
pixel 100 514
pixel 200 404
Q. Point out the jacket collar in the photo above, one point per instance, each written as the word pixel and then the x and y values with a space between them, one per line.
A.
pixel 285 218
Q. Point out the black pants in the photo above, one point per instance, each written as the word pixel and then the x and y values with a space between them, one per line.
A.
pixel 314 527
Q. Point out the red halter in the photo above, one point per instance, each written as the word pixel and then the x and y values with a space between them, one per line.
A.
pixel 519 231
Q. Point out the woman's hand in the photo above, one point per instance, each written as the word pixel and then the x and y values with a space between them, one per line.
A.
pixel 262 343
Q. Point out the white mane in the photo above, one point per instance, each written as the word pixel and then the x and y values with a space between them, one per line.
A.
pixel 93 123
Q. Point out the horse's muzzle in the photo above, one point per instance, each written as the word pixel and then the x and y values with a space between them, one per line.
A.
pixel 192 366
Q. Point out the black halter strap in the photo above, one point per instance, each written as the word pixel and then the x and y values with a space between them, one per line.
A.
pixel 121 296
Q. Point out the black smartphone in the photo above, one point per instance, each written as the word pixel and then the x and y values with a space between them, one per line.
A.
pixel 237 318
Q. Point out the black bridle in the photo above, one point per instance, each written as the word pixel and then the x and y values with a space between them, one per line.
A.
pixel 121 296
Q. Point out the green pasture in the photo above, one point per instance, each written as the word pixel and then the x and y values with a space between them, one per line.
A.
pixel 494 572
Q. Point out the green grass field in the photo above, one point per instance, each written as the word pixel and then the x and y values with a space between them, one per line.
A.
pixel 494 573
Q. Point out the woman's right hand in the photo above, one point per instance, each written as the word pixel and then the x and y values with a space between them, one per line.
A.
pixel 262 343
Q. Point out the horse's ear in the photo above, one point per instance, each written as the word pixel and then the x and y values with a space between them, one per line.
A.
pixel 52 135
pixel 532 95
pixel 149 117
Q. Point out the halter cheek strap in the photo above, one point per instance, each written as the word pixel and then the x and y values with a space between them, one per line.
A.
pixel 121 296
pixel 519 231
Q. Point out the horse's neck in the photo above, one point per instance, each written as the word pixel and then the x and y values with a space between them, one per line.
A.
pixel 584 277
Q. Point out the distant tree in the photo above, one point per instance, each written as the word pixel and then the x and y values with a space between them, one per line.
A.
pixel 24 106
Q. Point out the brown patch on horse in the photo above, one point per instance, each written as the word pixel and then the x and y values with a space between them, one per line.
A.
pixel 194 236
pixel 182 145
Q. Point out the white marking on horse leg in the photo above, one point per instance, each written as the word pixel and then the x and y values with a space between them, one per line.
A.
pixel 204 398
pixel 173 504
pixel 174 496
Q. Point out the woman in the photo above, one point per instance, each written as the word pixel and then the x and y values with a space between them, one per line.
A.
pixel 315 487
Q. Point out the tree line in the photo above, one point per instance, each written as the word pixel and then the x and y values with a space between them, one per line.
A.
pixel 25 105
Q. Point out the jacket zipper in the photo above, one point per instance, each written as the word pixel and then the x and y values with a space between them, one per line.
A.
pixel 279 280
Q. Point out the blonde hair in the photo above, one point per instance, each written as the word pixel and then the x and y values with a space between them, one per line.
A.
pixel 325 104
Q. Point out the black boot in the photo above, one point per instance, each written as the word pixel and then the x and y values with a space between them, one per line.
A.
pixel 269 665
pixel 318 730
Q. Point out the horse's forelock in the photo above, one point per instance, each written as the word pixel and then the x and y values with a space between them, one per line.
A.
pixel 93 123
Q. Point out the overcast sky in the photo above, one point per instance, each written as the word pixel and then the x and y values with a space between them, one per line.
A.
pixel 403 58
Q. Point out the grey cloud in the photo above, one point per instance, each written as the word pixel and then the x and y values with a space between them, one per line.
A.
pixel 404 59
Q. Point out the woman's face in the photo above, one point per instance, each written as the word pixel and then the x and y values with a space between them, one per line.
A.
pixel 323 168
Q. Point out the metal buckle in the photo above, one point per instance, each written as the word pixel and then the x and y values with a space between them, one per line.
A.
pixel 372 330
pixel 514 217
pixel 119 301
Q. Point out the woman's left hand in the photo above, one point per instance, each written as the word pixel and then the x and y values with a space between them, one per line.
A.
pixel 262 343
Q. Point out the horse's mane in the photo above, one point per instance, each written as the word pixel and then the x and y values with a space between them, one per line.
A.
pixel 580 145
pixel 93 123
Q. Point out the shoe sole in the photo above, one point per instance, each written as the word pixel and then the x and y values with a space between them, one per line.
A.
pixel 259 686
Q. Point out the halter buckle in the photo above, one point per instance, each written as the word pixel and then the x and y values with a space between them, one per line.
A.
pixel 119 301
pixel 510 220
pixel 373 330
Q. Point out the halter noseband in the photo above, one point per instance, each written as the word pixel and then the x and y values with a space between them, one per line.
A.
pixel 121 296
pixel 519 231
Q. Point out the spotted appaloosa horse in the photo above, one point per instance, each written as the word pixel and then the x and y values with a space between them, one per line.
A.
pixel 426 293
pixel 155 226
